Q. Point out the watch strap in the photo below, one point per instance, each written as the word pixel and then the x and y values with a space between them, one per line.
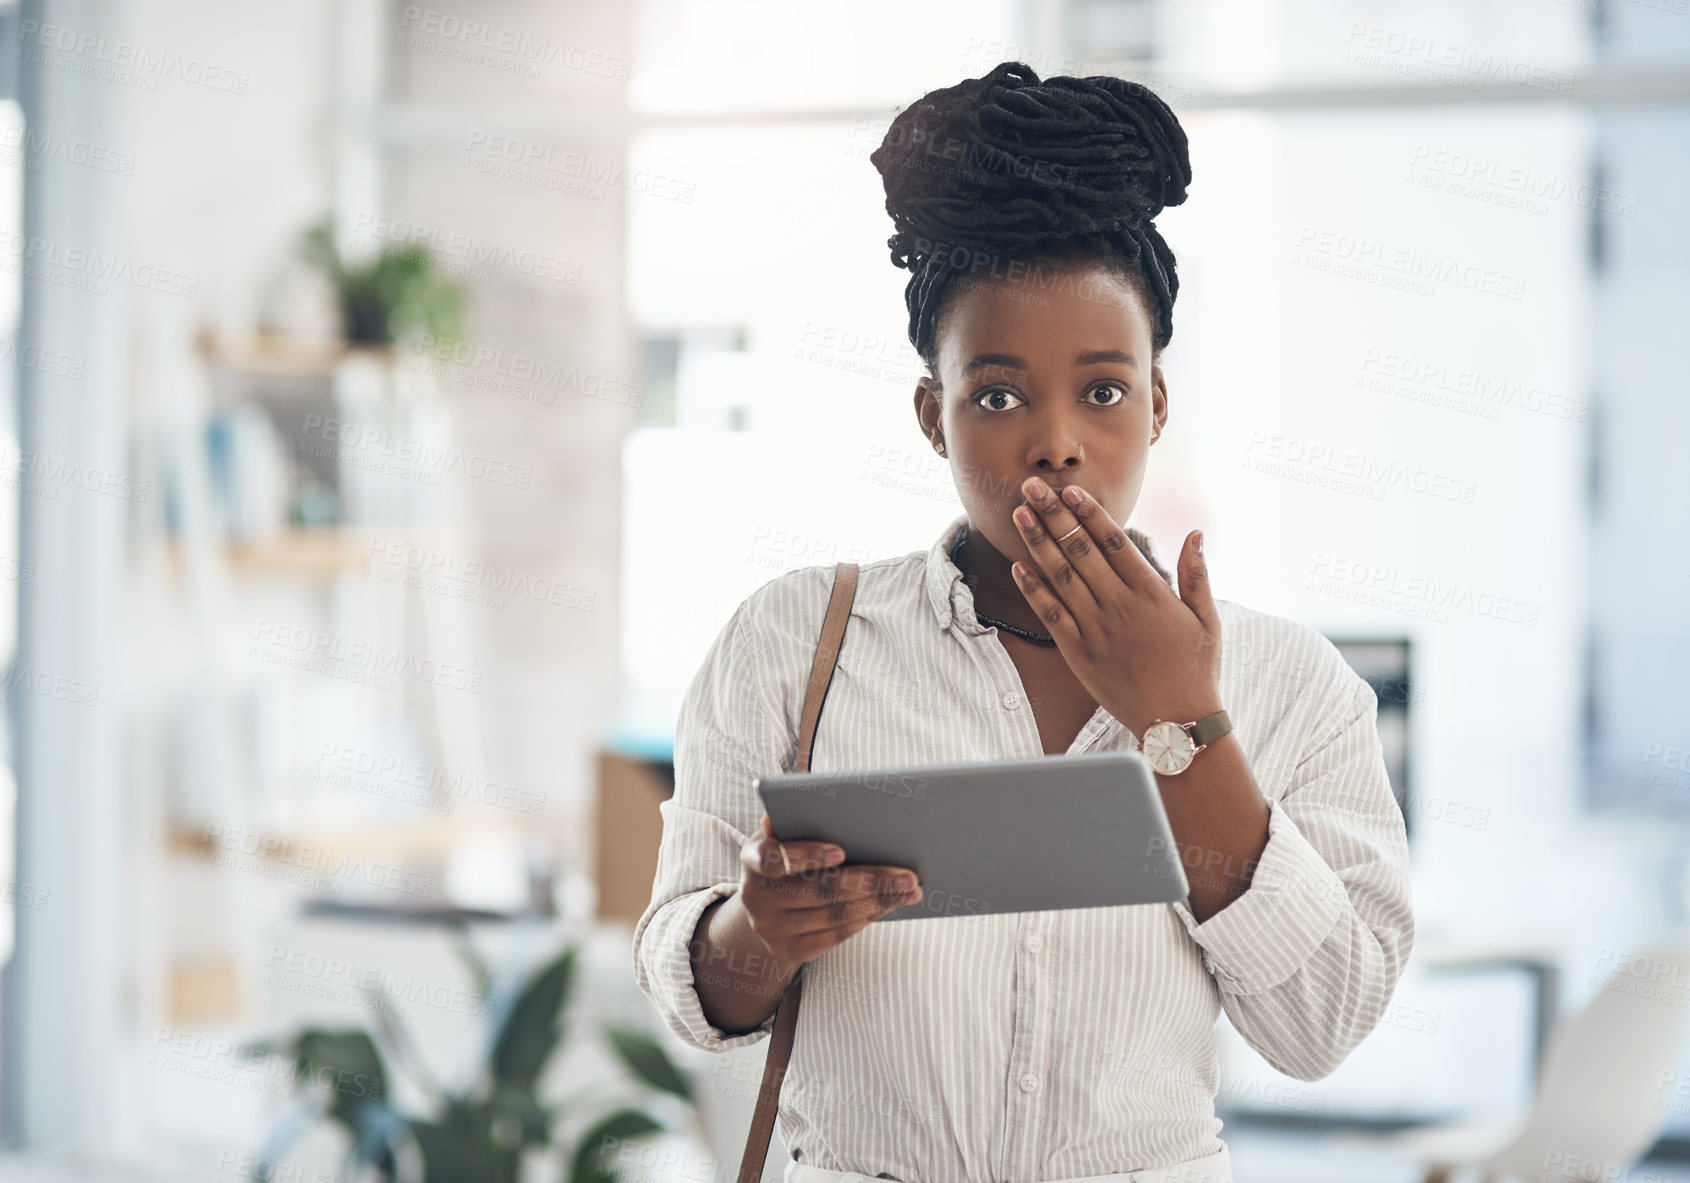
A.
pixel 1207 731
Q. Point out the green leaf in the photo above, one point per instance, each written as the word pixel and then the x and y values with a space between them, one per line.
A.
pixel 456 1153
pixel 532 1029
pixel 379 1129
pixel 347 1064
pixel 513 1118
pixel 600 1140
pixel 648 1061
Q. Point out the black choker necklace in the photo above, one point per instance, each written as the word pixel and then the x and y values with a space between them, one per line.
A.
pixel 1036 638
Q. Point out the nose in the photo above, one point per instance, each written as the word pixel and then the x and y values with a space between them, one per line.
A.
pixel 1055 446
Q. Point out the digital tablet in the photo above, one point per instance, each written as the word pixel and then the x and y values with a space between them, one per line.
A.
pixel 1053 832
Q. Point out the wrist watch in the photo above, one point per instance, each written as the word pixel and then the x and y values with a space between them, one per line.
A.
pixel 1170 747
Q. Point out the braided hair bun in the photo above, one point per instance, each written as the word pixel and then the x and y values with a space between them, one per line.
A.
pixel 1005 167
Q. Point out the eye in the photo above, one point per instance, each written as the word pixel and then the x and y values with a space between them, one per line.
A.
pixel 994 392
pixel 1116 386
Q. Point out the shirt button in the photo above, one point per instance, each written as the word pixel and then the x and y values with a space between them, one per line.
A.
pixel 1035 943
pixel 1029 1083
pixel 1011 701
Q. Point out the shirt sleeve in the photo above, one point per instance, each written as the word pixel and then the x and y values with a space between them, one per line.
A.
pixel 1308 956
pixel 730 730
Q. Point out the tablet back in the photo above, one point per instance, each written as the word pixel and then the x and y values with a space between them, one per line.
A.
pixel 1085 831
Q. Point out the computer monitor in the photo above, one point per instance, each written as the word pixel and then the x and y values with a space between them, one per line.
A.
pixel 1384 663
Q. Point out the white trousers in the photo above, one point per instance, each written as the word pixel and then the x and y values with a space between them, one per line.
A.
pixel 1215 1168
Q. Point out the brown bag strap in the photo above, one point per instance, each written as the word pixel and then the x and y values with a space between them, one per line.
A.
pixel 786 1015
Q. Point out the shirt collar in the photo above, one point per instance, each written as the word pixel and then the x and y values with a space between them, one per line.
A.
pixel 944 581
pixel 953 600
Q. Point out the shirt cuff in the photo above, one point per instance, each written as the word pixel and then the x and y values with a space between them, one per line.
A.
pixel 663 968
pixel 1271 931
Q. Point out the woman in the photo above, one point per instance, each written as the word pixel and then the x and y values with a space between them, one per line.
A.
pixel 1057 1045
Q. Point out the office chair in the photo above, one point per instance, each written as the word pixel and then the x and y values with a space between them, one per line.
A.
pixel 1601 1096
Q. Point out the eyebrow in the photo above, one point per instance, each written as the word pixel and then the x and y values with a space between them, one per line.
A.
pixel 1090 358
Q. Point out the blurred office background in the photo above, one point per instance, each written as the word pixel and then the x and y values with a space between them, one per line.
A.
pixel 399 398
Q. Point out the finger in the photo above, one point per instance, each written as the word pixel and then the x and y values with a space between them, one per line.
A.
pixel 821 888
pixel 805 921
pixel 858 883
pixel 872 891
pixel 1194 586
pixel 850 883
pixel 1072 565
pixel 805 947
pixel 1123 557
pixel 763 856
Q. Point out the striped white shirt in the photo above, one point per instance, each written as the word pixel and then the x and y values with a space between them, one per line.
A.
pixel 1029 1046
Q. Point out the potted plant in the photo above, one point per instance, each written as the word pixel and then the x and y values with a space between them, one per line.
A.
pixel 478 1134
pixel 391 297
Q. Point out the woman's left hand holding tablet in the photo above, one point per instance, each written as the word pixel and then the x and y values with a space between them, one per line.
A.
pixel 1143 651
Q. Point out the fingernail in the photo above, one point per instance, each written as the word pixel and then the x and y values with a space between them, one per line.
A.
pixel 1036 488
pixel 905 883
pixel 834 856
pixel 1199 543
pixel 1071 495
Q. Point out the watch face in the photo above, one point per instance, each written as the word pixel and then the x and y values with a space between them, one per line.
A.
pixel 1167 748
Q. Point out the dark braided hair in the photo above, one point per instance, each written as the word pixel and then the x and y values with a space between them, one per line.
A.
pixel 1005 168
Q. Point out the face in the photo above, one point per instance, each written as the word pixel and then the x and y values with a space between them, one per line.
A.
pixel 1053 380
